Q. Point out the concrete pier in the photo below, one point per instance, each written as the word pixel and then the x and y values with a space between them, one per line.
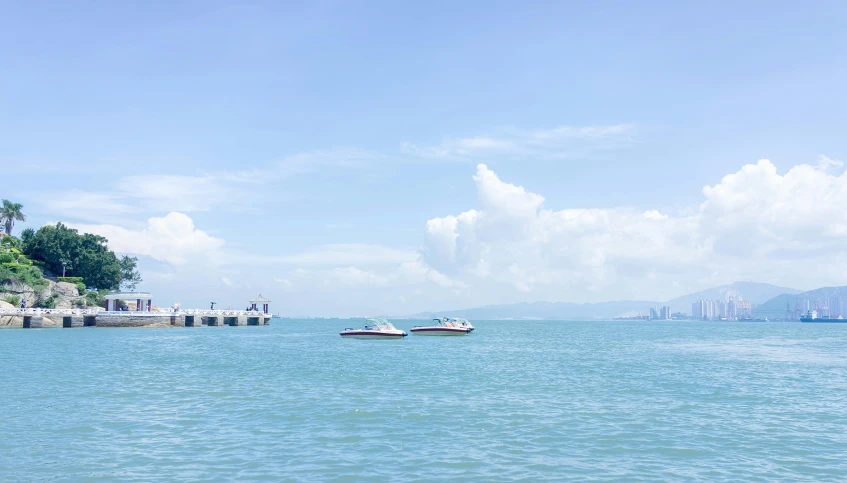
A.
pixel 69 321
pixel 213 321
pixel 74 318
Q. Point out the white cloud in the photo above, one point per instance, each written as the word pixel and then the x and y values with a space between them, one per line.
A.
pixel 154 193
pixel 355 277
pixel 311 161
pixel 284 283
pixel 754 224
pixel 78 204
pixel 337 255
pixel 235 191
pixel 161 192
pixel 556 143
pixel 172 238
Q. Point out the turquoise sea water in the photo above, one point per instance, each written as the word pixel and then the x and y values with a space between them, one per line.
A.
pixel 515 401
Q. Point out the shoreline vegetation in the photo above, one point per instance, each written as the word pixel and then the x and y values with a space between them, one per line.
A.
pixel 57 267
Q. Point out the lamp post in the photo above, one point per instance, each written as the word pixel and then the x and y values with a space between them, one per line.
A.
pixel 63 269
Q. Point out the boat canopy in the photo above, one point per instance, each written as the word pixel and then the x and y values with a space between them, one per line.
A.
pixel 379 324
pixel 451 320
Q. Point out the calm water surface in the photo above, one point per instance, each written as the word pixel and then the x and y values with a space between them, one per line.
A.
pixel 515 401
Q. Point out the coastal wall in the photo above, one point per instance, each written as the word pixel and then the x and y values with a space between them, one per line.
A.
pixel 105 319
pixel 18 321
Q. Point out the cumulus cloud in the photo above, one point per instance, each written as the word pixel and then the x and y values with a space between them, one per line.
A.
pixel 172 238
pixel 753 224
pixel 554 143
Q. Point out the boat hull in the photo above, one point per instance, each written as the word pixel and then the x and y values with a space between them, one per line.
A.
pixel 448 331
pixel 372 335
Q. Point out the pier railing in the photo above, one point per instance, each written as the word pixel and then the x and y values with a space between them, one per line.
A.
pixel 127 313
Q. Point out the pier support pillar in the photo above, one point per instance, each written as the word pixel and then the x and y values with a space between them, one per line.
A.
pixel 69 321
pixel 33 322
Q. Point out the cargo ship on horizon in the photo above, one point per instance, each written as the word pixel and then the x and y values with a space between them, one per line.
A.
pixel 812 316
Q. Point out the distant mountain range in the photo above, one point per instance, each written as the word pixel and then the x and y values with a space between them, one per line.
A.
pixel 775 307
pixel 755 293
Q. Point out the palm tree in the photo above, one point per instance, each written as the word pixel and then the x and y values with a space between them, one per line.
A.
pixel 9 213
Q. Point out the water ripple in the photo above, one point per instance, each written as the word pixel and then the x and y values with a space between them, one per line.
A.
pixel 537 401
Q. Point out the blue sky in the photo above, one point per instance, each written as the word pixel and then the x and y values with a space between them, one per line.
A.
pixel 281 129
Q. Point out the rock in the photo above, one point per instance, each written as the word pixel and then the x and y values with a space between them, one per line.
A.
pixel 65 294
pixel 11 321
pixel 6 305
pixel 21 291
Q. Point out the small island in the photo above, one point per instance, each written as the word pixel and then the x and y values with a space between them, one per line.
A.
pixel 57 277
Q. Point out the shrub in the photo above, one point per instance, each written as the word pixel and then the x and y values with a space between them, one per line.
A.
pixel 79 303
pixel 13 299
pixel 94 299
pixel 6 258
pixel 27 275
pixel 46 303
pixel 81 287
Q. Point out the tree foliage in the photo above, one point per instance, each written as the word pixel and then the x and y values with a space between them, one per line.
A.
pixel 84 255
pixel 10 213
pixel 130 278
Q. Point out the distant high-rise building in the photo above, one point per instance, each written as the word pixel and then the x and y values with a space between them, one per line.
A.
pixel 744 310
pixel 666 313
pixel 834 305
pixel 654 314
pixel 731 310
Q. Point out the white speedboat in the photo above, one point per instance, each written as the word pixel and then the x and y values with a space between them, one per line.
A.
pixel 444 326
pixel 375 329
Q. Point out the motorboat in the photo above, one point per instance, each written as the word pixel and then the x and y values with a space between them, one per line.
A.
pixel 444 326
pixel 375 329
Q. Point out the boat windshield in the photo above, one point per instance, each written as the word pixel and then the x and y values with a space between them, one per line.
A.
pixel 379 324
pixel 451 322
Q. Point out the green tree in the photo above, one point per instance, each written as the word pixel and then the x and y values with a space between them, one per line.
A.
pixel 10 213
pixel 9 242
pixel 84 255
pixel 130 278
pixel 26 236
